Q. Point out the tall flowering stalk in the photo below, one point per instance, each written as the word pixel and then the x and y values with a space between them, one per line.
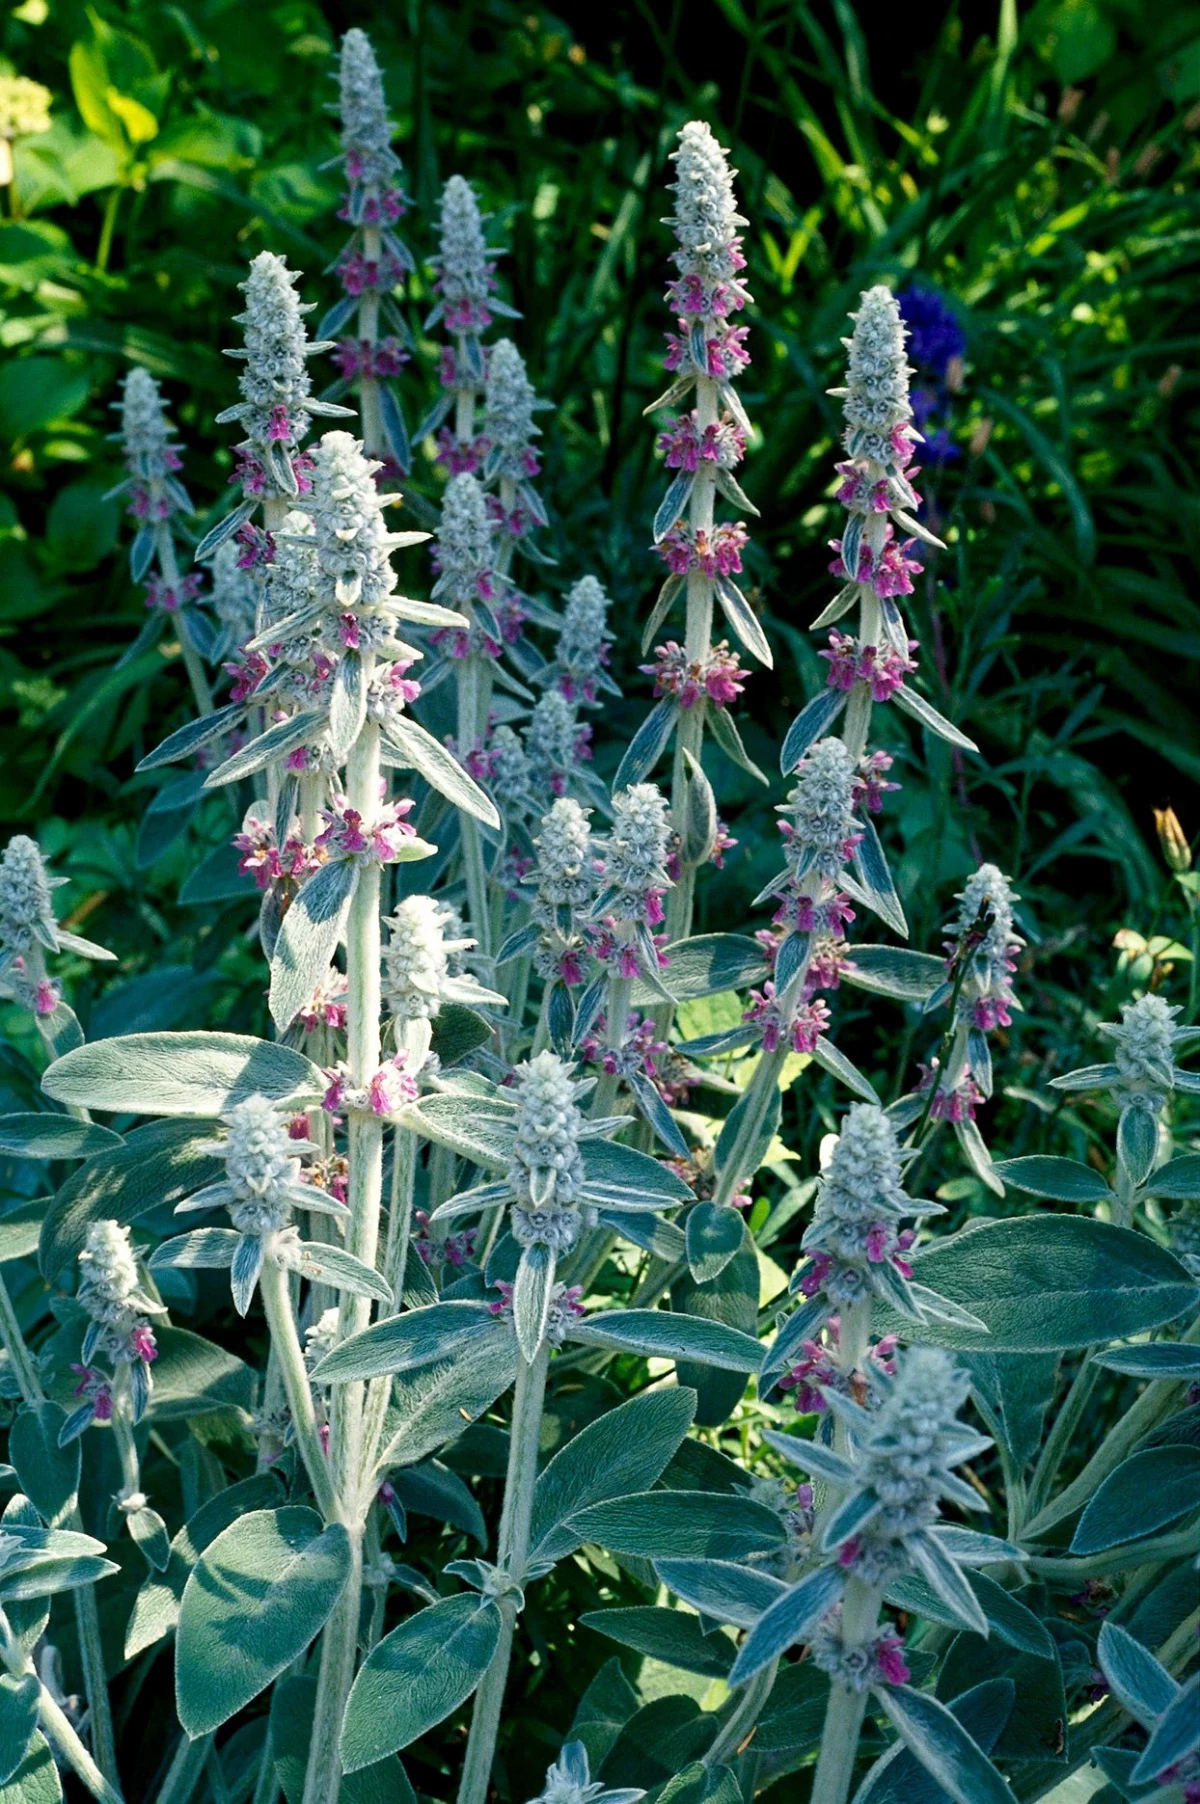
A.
pixel 374 262
pixel 697 682
pixel 157 499
pixel 467 303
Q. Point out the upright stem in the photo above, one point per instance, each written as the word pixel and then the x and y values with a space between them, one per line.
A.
pixel 689 736
pixel 371 415
pixel 87 1616
pixel 757 1098
pixel 187 1764
pixel 339 1646
pixel 846 1708
pixel 512 1552
pixel 470 678
pixel 169 565
pixel 285 1340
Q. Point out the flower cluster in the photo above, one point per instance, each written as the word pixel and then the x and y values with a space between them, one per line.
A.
pixel 565 1309
pixel 111 1294
pixel 818 1370
pixel 861 1201
pixel 387 1092
pixel 982 936
pixel 800 1022
pixel 454 1249
pixel 546 1170
pixel 464 554
pixel 567 876
pixel 24 108
pixel 387 838
pixel 819 827
pixel 28 929
pixel 937 346
pixel 422 966
pixel 881 667
pixel 269 863
pixel 556 743
pixel 569 1781
pixel 714 553
pixel 152 457
pixel 579 667
pixel 636 854
pixel 509 428
pixel 276 405
pixel 718 676
pixel 859 1665
pixel 685 445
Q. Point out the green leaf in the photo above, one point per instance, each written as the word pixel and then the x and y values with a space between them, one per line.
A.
pixel 1176 1733
pixel 20 1229
pixel 416 1676
pixel 156 1606
pixel 625 1450
pixel 193 1375
pixel 722 1589
pixel 672 1636
pixel 730 1300
pixel 1137 1680
pixel 434 1405
pixel 293 1707
pixel 670 1334
pixel 1147 1491
pixel 714 1234
pixel 182 1074
pixel 1014 1391
pixel 1066 1180
pixel 53 1137
pixel 1010 1619
pixel 258 1595
pixel 308 939
pixel 477 1127
pixel 707 965
pixel 1178 1181
pixel 48 1473
pixel 657 1525
pixel 791 1618
pixel 943 1747
pixel 35 1780
pixel 37 392
pixel 1046 1282
pixel 441 769
pixel 898 1777
pixel 157 1166
pixel 1168 1359
pixel 628 1174
pixel 402 1343
pixel 18 1722
pixel 895 971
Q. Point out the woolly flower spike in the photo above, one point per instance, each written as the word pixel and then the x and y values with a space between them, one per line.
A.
pixel 819 825
pixel 510 402
pixel 637 852
pixel 567 875
pixel 854 1241
pixel 465 273
pixel 547 1168
pixel 982 935
pixel 582 652
pixel 1144 1073
pixel 706 218
pixel 235 594
pixel 366 128
pixel 145 429
pixel 904 1459
pixel 555 743
pixel 110 1293
pixel 418 975
pixel 351 542
pixel 28 929
pixel 876 391
pixel 261 1165
pixel 465 554
pixel 276 402
pixel 569 1781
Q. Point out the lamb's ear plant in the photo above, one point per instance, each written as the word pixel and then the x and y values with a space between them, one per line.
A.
pixel 480 1190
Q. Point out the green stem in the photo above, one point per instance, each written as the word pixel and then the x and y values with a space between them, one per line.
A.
pixel 187 1764
pixel 757 1098
pixel 56 1727
pixel 743 1718
pixel 20 1358
pixel 285 1340
pixel 370 412
pixel 339 1647
pixel 469 679
pixel 846 1708
pixel 512 1552
pixel 168 563
pixel 1061 1435
pixel 107 228
pixel 1160 1549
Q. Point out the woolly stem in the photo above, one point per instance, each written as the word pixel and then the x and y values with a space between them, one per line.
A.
pixel 183 1774
pixel 56 1727
pixel 395 1261
pixel 512 1551
pixel 277 1304
pixel 757 1098
pixel 469 679
pixel 618 995
pixel 19 1356
pixel 168 563
pixel 846 1708
pixel 689 735
pixel 339 1647
pixel 743 1718
pixel 370 412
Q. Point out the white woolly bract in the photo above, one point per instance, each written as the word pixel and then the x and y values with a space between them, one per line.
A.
pixel 706 218
pixel 234 591
pixel 463 266
pixel 584 629
pixel 915 1441
pixel 276 348
pixel 510 400
pixel 1144 1046
pixel 546 1169
pixel 637 847
pixel 820 810
pixel 875 397
pixel 351 542
pixel 24 894
pixel 864 1178
pixel 551 739
pixel 320 1337
pixel 107 1269
pixel 417 957
pixel 566 875
pixel 464 539
pixel 366 128
pixel 260 1165
pixel 145 429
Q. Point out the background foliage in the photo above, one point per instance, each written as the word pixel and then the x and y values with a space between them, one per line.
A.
pixel 1039 169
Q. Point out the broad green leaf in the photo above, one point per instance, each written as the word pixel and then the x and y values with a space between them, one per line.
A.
pixel 1178 1181
pixel 182 1074
pixel 714 1234
pixel 293 1704
pixel 672 1636
pixel 417 1675
pixel 1046 1282
pixel 35 1780
pixel 721 1589
pixel 898 1777
pixel 943 1747
pixel 794 1714
pixel 1137 1680
pixel 1158 1359
pixel 1066 1180
pixel 1147 1491
pixel 669 1334
pixel 432 1406
pixel 706 965
pixel 156 1606
pixel 477 1127
pixel 658 1525
pixel 402 1343
pixel 895 971
pixel 1176 1733
pixel 790 1619
pixel 308 939
pixel 628 1173
pixel 193 1375
pixel 158 1165
pixel 20 1229
pixel 48 1473
pixel 729 1300
pixel 625 1450
pixel 256 1598
pixel 53 1137
pixel 1007 1617
pixel 18 1721
pixel 1014 1391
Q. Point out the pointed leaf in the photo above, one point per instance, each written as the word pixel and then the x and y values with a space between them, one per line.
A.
pixel 181 1074
pixel 943 1747
pixel 308 939
pixel 790 1619
pixel 441 769
pixel 417 1676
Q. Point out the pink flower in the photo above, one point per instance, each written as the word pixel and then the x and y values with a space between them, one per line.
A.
pixel 890 1662
pixel 45 998
pixel 391 1087
pixel 143 1345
